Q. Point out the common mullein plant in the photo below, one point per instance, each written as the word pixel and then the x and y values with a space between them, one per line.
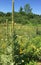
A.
pixel 18 58
pixel 16 48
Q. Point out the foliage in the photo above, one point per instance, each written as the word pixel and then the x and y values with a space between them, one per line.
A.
pixel 27 18
pixel 21 17
pixel 27 9
pixel 25 44
pixel 17 56
pixel 24 52
pixel 21 10
pixel 32 63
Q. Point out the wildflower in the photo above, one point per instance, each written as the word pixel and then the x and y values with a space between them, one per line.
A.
pixel 2 39
pixel 19 27
pixel 33 46
pixel 6 39
pixel 40 48
pixel 20 36
pixel 22 60
pixel 3 45
pixel 12 64
pixel 15 23
pixel 37 50
pixel 21 51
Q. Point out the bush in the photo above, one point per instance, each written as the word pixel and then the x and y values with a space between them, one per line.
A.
pixel 31 63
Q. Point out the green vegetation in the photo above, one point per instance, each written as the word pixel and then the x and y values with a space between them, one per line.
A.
pixel 25 44
pixel 23 18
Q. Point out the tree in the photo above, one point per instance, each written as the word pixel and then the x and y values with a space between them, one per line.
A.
pixel 2 14
pixel 21 10
pixel 8 14
pixel 27 9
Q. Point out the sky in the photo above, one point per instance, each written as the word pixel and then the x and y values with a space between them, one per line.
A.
pixel 6 5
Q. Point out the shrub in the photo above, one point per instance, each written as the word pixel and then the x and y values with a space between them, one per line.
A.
pixel 31 63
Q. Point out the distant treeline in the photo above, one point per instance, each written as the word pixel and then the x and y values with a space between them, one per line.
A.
pixel 4 17
pixel 22 18
pixel 29 18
